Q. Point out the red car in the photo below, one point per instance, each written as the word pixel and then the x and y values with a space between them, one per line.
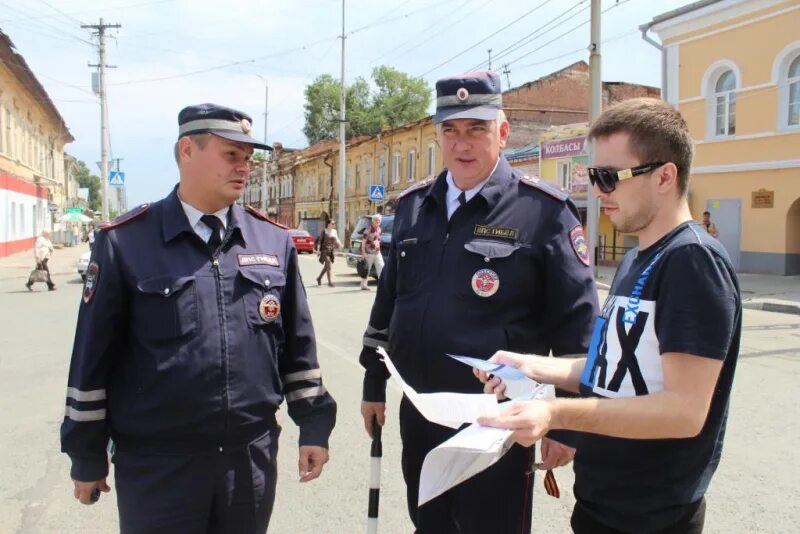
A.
pixel 303 241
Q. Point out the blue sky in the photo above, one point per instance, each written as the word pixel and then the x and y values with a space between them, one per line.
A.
pixel 172 53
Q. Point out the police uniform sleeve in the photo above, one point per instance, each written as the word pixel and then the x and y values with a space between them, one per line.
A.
pixel 571 295
pixel 102 318
pixel 310 405
pixel 377 334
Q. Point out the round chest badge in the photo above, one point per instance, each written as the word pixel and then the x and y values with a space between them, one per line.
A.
pixel 269 308
pixel 485 283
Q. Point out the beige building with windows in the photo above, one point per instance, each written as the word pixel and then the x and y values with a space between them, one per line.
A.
pixel 732 68
pixel 32 139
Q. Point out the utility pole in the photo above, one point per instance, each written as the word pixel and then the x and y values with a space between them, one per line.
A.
pixel 595 104
pixel 342 148
pixel 490 58
pixel 101 45
pixel 508 78
pixel 264 189
pixel 121 193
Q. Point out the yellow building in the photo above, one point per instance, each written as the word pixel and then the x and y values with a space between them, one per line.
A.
pixel 32 139
pixel 732 68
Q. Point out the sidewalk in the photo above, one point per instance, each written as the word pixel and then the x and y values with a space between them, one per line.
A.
pixel 61 262
pixel 759 291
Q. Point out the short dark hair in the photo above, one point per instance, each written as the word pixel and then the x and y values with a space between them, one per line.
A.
pixel 200 140
pixel 707 213
pixel 657 132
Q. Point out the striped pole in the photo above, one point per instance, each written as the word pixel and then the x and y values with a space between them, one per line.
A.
pixel 375 453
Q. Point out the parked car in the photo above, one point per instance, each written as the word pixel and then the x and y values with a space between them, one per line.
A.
pixel 353 255
pixel 303 241
pixel 83 264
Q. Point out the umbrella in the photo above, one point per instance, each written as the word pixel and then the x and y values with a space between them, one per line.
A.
pixel 75 217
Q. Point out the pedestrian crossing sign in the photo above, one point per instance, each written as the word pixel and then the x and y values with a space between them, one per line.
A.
pixel 376 193
pixel 116 178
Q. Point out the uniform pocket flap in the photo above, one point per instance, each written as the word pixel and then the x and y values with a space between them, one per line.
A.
pixel 164 285
pixel 491 249
pixel 264 278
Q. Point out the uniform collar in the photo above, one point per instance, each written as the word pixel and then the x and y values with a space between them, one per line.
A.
pixel 491 189
pixel 176 219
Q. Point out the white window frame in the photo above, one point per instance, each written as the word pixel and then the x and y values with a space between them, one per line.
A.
pixel 780 75
pixel 564 173
pixel 708 91
pixel 431 159
pixel 382 170
pixel 396 167
pixel 725 99
pixel 411 165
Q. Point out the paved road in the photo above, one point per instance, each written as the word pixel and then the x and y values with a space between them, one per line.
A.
pixel 755 489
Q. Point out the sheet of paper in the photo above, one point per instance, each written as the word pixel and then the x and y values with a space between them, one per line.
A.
pixel 518 386
pixel 444 408
pixel 460 458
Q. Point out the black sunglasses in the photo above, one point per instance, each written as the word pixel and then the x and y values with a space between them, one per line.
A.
pixel 606 179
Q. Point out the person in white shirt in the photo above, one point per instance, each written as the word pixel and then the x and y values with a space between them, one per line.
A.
pixel 42 250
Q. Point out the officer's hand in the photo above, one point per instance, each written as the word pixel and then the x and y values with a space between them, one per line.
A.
pixel 530 421
pixel 370 409
pixel 311 461
pixel 491 384
pixel 83 490
pixel 555 454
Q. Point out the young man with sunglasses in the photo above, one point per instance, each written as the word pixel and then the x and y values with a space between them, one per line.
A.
pixel 658 374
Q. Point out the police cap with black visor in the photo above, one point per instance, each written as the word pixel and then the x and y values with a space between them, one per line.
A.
pixel 218 120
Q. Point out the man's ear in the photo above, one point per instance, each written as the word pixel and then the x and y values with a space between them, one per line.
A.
pixel 667 177
pixel 185 149
pixel 505 130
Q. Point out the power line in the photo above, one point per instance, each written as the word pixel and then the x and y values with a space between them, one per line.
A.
pixel 581 49
pixel 518 19
pixel 65 15
pixel 46 26
pixel 104 9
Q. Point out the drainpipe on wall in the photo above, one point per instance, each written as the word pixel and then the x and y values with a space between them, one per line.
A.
pixel 644 29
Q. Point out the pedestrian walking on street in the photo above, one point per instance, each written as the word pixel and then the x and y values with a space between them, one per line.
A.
pixel 183 355
pixel 657 377
pixel 710 227
pixel 371 249
pixel 42 251
pixel 325 246
pixel 481 257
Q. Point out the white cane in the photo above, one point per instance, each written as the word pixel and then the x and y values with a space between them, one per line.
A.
pixel 376 452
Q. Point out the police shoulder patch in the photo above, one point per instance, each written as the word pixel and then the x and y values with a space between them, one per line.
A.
pixel 125 217
pixel 263 216
pixel 90 284
pixel 420 185
pixel 544 186
pixel 578 241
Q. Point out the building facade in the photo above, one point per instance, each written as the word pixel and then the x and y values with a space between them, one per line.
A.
pixel 732 68
pixel 32 168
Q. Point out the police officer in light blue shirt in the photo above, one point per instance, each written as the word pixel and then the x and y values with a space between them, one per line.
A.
pixel 193 329
pixel 482 258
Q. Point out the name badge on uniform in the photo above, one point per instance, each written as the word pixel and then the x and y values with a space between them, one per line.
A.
pixel 269 308
pixel 258 259
pixel 485 283
pixel 496 231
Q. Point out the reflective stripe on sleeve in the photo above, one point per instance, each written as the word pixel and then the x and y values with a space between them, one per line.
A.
pixel 314 391
pixel 375 343
pixel 371 331
pixel 80 416
pixel 310 374
pixel 86 396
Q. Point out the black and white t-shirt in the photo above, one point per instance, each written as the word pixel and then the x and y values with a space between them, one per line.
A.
pixel 679 295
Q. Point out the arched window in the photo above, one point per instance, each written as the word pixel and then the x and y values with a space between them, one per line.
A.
pixel 793 81
pixel 725 102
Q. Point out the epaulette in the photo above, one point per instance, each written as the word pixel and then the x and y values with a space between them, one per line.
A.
pixel 125 217
pixel 416 187
pixel 263 216
pixel 545 187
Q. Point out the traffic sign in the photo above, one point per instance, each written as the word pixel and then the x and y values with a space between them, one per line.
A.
pixel 116 178
pixel 53 207
pixel 376 193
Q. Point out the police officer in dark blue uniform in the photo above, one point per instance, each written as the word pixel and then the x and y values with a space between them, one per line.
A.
pixel 482 258
pixel 194 327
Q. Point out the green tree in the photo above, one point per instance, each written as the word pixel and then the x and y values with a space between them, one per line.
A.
pixel 87 179
pixel 399 99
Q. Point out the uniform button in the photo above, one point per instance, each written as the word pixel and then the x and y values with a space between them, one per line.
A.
pixel 403 254
pixel 266 283
pixel 220 448
pixel 486 259
pixel 166 291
